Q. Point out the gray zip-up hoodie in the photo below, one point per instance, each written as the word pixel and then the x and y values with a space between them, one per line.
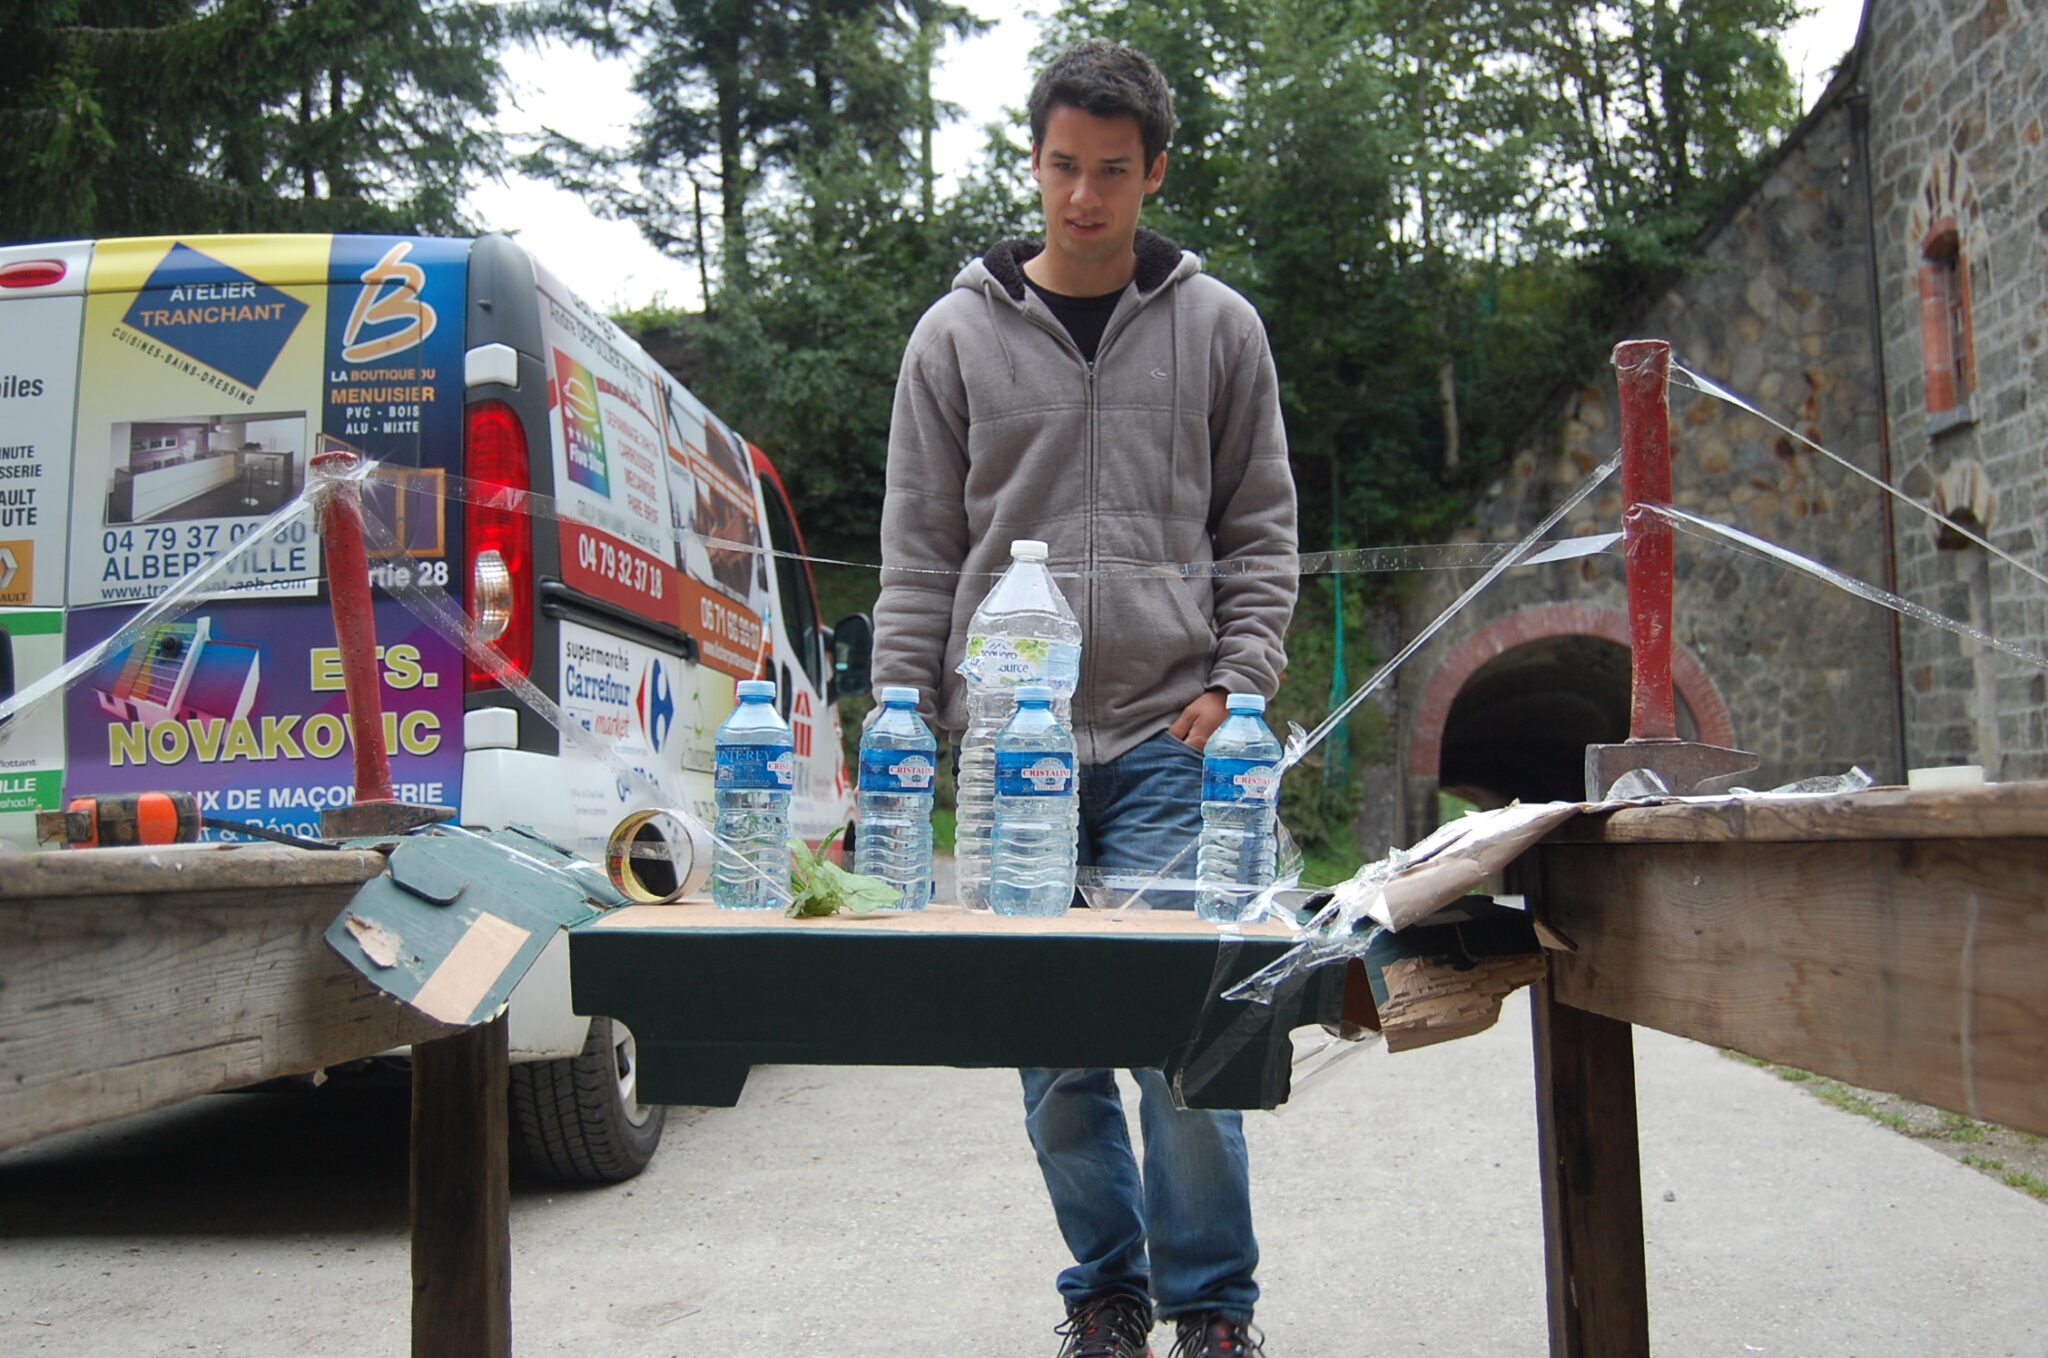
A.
pixel 1167 450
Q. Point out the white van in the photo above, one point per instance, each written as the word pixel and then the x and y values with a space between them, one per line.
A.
pixel 160 399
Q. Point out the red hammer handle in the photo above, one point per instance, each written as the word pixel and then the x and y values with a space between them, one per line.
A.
pixel 1643 369
pixel 355 626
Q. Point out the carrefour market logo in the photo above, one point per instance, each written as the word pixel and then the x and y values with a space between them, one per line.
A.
pixel 215 315
pixel 656 705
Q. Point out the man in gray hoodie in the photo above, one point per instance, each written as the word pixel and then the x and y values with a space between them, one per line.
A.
pixel 1099 392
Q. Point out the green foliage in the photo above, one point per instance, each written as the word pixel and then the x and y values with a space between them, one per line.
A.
pixel 829 252
pixel 136 117
pixel 1450 806
pixel 819 886
pixel 1442 210
pixel 743 99
pixel 1316 807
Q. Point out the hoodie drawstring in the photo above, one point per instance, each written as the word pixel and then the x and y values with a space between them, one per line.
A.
pixel 988 302
pixel 1173 406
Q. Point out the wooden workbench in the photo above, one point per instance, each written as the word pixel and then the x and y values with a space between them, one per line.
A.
pixel 1892 939
pixel 132 979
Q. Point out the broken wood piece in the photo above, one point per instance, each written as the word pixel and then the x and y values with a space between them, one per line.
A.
pixel 1445 977
pixel 1431 1000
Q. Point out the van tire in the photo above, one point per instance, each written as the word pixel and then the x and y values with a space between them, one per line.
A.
pixel 576 1119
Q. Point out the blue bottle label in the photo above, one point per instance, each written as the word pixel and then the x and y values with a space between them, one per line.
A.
pixel 753 768
pixel 1034 773
pixel 896 771
pixel 1225 779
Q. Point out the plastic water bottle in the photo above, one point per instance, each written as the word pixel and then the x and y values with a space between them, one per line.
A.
pixel 899 758
pixel 1038 810
pixel 1023 633
pixel 756 774
pixel 1240 792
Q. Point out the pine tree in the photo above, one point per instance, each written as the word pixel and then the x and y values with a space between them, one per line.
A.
pixel 187 116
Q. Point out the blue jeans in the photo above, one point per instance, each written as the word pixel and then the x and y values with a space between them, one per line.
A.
pixel 1182 1232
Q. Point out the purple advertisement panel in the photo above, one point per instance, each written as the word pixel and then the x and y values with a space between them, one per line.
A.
pixel 242 703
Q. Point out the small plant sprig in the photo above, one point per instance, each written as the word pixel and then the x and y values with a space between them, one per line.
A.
pixel 818 886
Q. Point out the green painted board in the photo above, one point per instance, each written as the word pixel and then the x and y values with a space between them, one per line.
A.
pixel 458 917
pixel 710 993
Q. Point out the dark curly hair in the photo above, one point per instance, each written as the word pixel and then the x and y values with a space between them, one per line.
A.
pixel 1108 80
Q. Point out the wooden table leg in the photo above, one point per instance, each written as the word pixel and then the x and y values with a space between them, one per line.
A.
pixel 1592 1182
pixel 461 1197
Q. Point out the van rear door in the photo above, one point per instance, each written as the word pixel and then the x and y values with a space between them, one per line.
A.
pixel 211 371
pixel 42 310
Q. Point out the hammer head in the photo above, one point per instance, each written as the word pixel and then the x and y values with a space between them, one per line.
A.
pixel 1686 767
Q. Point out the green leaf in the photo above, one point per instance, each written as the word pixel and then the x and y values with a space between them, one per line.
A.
pixel 859 893
pixel 818 886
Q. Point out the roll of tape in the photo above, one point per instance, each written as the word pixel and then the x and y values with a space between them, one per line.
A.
pixel 1946 777
pixel 687 854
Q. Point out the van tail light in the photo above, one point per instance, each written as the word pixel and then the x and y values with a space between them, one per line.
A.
pixel 32 273
pixel 499 591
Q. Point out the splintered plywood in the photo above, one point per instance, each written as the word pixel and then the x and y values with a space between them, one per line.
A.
pixel 134 978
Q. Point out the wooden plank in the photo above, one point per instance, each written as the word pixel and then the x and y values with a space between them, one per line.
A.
pixel 1591 1170
pixel 1912 966
pixel 461 1197
pixel 181 867
pixel 2002 811
pixel 949 920
pixel 116 1003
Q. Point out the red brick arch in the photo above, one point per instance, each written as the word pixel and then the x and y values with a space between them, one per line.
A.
pixel 1688 675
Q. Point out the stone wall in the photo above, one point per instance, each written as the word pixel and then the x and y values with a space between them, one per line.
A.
pixel 1958 94
pixel 1779 313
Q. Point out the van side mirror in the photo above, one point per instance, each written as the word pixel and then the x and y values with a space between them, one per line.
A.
pixel 853 656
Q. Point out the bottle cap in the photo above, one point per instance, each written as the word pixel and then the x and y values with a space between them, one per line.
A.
pixel 1029 549
pixel 1245 702
pixel 1033 693
pixel 906 693
pixel 757 688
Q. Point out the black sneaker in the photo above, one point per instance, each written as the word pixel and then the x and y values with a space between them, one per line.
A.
pixel 1108 1325
pixel 1210 1335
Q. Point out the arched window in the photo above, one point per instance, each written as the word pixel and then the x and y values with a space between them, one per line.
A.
pixel 1947 355
pixel 1945 234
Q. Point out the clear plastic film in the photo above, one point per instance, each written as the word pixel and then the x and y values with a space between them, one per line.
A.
pixel 1300 743
pixel 262 560
pixel 1707 386
pixel 217 578
pixel 433 605
pixel 279 555
pixel 1751 545
pixel 1351 561
pixel 1333 935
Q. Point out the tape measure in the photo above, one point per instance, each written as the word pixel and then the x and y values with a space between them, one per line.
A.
pixel 112 822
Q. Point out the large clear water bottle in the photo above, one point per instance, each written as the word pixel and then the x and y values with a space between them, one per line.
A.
pixel 1023 633
pixel 756 773
pixel 1038 810
pixel 1240 794
pixel 899 758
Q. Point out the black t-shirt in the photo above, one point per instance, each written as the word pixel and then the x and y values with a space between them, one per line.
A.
pixel 1084 317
